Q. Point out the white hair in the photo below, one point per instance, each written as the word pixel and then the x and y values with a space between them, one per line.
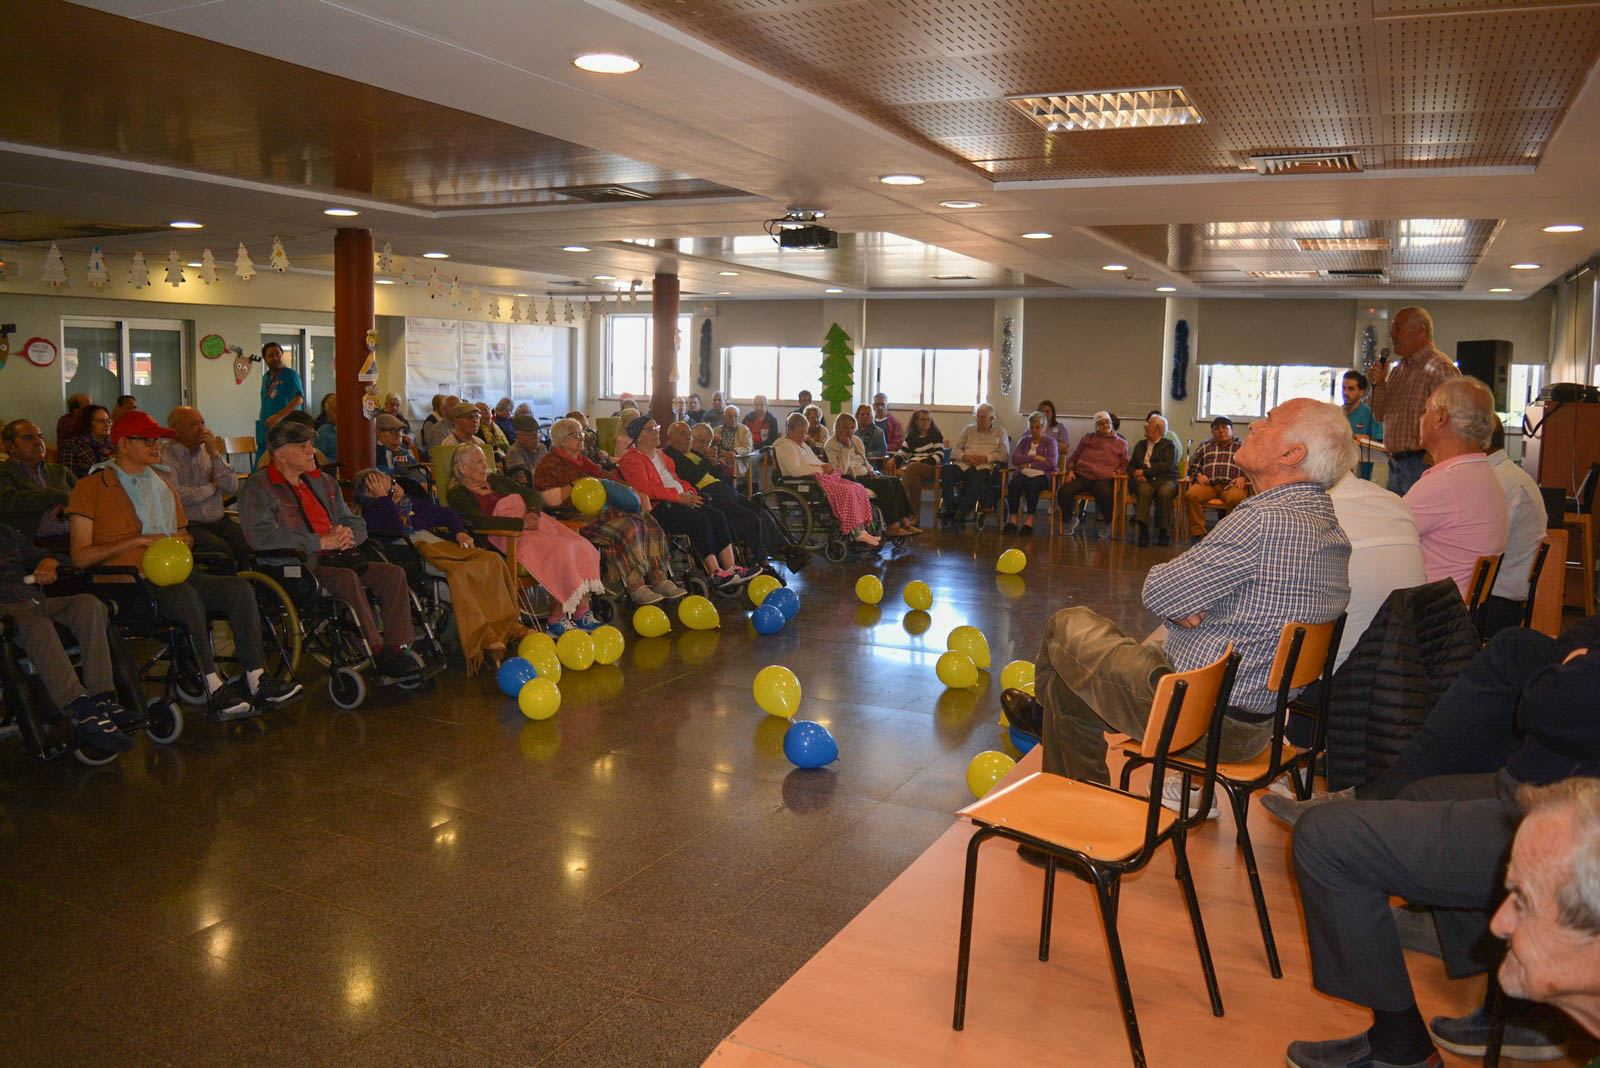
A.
pixel 460 454
pixel 1324 430
pixel 1469 406
pixel 1036 417
pixel 562 429
pixel 1161 419
pixel 980 409
pixel 1578 899
pixel 733 408
pixel 1104 415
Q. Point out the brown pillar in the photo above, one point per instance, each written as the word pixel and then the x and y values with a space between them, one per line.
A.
pixel 664 312
pixel 352 319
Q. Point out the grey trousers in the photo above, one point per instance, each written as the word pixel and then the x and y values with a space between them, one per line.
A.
pixel 189 601
pixel 85 616
pixel 1161 493
pixel 1090 678
pixel 1443 842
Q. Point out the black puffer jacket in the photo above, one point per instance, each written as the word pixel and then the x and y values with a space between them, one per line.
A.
pixel 1410 654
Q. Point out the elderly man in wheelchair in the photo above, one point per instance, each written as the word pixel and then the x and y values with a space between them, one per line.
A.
pixel 120 509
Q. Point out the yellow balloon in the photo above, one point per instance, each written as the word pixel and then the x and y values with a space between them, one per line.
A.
pixel 758 588
pixel 167 562
pixel 546 662
pixel 957 670
pixel 970 640
pixel 607 644
pixel 1017 674
pixel 1005 723
pixel 869 588
pixel 539 698
pixel 916 622
pixel 698 613
pixel 1011 562
pixel 575 648
pixel 588 495
pixel 537 639
pixel 1028 689
pixel 650 622
pixel 986 769
pixel 697 646
pixel 777 691
pixel 918 596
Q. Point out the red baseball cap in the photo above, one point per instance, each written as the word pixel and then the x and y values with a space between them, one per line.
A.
pixel 138 424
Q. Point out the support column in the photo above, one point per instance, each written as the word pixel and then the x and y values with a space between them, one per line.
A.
pixel 352 319
pixel 664 313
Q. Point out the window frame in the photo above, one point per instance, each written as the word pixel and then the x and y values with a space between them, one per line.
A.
pixel 1270 390
pixel 608 351
pixel 929 377
pixel 124 325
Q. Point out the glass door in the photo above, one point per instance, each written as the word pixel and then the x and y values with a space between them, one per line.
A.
pixel 91 359
pixel 110 358
pixel 319 366
pixel 155 371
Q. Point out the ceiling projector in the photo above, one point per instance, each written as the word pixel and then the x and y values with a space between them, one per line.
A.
pixel 811 236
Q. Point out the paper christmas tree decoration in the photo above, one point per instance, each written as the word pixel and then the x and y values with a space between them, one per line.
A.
pixel 435 285
pixel 138 272
pixel 208 267
pixel 474 302
pixel 174 269
pixel 243 269
pixel 838 371
pixel 494 307
pixel 279 260
pixel 455 292
pixel 633 295
pixel 550 309
pixel 386 258
pixel 55 268
pixel 566 311
pixel 95 272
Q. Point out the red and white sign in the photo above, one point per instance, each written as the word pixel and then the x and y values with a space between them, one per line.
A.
pixel 40 351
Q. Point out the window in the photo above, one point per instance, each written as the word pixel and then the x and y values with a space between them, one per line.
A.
pixel 630 342
pixel 938 378
pixel 106 358
pixel 775 372
pixel 1249 391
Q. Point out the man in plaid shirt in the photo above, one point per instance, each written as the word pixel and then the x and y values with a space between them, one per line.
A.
pixel 1279 557
pixel 1214 474
pixel 1399 396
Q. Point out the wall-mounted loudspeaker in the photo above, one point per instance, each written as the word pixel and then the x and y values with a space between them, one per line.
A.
pixel 1490 363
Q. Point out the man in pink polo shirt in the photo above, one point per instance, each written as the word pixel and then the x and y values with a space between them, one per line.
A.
pixel 1458 504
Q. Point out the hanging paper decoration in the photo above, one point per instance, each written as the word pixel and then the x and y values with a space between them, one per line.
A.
pixel 55 268
pixel 386 258
pixel 494 307
pixel 1008 340
pixel 633 294
pixel 702 375
pixel 435 285
pixel 208 267
pixel 243 269
pixel 1180 360
pixel 138 272
pixel 174 269
pixel 279 260
pixel 475 302
pixel 550 309
pixel 566 311
pixel 455 292
pixel 95 272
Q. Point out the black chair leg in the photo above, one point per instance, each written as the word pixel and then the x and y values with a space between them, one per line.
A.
pixel 1049 905
pixel 1107 896
pixel 1186 879
pixel 965 951
pixel 1497 1024
pixel 1241 810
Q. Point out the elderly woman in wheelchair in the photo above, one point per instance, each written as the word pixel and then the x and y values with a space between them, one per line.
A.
pixel 849 501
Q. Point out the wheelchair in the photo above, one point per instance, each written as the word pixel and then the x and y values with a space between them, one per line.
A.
pixel 429 590
pixel 808 522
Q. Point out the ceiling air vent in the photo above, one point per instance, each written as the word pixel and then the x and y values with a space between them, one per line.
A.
pixel 1307 163
pixel 603 194
pixel 953 277
pixel 1373 274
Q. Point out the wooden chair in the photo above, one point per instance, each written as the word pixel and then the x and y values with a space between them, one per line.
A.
pixel 240 445
pixel 1485 569
pixel 1214 503
pixel 1306 653
pixel 1119 497
pixel 1542 610
pixel 1106 833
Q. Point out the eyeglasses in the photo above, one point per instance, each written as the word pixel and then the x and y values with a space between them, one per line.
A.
pixel 143 441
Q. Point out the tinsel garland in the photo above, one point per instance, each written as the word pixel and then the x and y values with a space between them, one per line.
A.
pixel 703 373
pixel 1369 347
pixel 1007 339
pixel 1180 360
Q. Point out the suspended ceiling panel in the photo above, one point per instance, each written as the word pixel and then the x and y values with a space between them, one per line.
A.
pixel 1405 85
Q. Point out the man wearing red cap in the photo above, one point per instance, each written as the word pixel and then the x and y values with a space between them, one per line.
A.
pixel 120 509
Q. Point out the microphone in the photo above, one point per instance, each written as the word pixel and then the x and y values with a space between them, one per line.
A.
pixel 1383 356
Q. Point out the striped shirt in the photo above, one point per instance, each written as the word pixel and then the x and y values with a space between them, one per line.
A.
pixel 1214 460
pixel 1279 557
pixel 1400 400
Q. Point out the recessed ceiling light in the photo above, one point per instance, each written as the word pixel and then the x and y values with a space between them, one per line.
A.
pixel 384 281
pixel 1166 289
pixel 196 263
pixel 606 63
pixel 185 224
pixel 724 292
pixel 343 213
pixel 960 204
pixel 833 291
pixel 1110 109
pixel 522 294
pixel 902 179
pixel 1563 228
pixel 605 278
pixel 1526 266
pixel 574 248
pixel 1038 235
pixel 436 255
pixel 1500 289
pixel 1114 267
pixel 729 274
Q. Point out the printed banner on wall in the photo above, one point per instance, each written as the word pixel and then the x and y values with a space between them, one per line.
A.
pixel 433 350
pixel 533 367
pixel 474 382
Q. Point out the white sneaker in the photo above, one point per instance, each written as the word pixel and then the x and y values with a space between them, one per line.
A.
pixel 1172 797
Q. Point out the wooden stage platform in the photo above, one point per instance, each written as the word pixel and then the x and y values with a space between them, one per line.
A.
pixel 881 992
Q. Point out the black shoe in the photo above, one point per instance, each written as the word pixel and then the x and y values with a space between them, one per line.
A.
pixel 271 691
pixel 1009 528
pixel 1163 537
pixel 1023 712
pixel 1144 533
pixel 1536 1038
pixel 94 729
pixel 397 666
pixel 228 703
pixel 125 718
pixel 1025 532
pixel 1352 1052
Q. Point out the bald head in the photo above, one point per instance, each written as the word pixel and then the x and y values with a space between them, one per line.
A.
pixel 1411 330
pixel 188 425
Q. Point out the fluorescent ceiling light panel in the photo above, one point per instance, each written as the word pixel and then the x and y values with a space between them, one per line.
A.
pixel 1343 244
pixel 1109 109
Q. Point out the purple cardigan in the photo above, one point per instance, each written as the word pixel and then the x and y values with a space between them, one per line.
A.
pixel 1026 455
pixel 383 517
pixel 1099 456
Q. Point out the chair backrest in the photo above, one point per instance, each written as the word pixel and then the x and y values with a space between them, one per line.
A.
pixel 1542 610
pixel 1187 700
pixel 1586 489
pixel 1300 662
pixel 1484 571
pixel 242 445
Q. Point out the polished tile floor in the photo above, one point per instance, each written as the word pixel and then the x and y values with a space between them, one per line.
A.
pixel 435 880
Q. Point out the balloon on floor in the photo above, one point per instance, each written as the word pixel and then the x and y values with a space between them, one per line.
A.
pixel 575 649
pixel 607 644
pixel 809 745
pixel 986 769
pixel 918 596
pixel 546 662
pixel 515 673
pixel 869 589
pixel 957 670
pixel 970 640
pixel 1011 562
pixel 784 600
pixel 698 613
pixel 767 619
pixel 536 639
pixel 1023 742
pixel 758 588
pixel 650 622
pixel 777 691
pixel 539 699
pixel 1016 674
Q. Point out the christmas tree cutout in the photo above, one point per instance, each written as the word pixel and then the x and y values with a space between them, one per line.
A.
pixel 838 370
pixel 566 311
pixel 174 269
pixel 474 302
pixel 95 272
pixel 279 260
pixel 386 258
pixel 435 285
pixel 455 292
pixel 550 309
pixel 243 268
pixel 494 307
pixel 55 268
pixel 138 271
pixel 208 267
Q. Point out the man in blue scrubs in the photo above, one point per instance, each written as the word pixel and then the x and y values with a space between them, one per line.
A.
pixel 1362 421
pixel 281 392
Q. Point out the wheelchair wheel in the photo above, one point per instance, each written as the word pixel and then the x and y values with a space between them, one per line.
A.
pixel 604 608
pixel 347 687
pixel 794 517
pixel 165 722
pixel 280 624
pixel 697 584
pixel 93 758
pixel 838 549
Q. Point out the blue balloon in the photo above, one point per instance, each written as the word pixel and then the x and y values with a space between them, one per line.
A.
pixel 767 618
pixel 784 600
pixel 809 745
pixel 514 674
pixel 1023 742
